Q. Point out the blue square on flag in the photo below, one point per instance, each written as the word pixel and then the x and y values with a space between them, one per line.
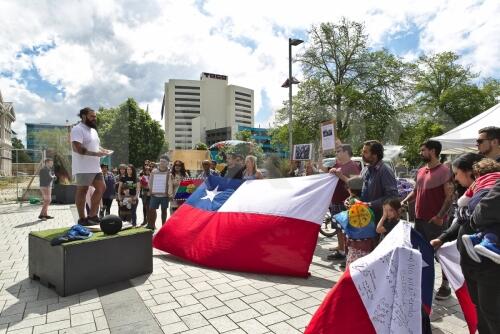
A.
pixel 213 193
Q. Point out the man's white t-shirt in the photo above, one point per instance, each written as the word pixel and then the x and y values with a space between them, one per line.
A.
pixel 89 139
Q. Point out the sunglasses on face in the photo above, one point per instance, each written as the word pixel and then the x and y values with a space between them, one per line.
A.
pixel 480 141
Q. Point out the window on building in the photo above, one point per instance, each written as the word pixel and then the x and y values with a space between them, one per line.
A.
pixel 186 99
pixel 244 100
pixel 187 93
pixel 243 105
pixel 244 116
pixel 187 105
pixel 187 87
pixel 243 110
pixel 243 94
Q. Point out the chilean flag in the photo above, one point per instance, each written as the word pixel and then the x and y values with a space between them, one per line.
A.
pixel 449 258
pixel 382 292
pixel 263 226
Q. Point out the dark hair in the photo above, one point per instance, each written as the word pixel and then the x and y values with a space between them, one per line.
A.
pixel 104 165
pixel 492 132
pixel 433 145
pixel 85 111
pixel 183 168
pixel 134 171
pixel 376 148
pixel 346 148
pixel 393 202
pixel 48 159
pixel 466 161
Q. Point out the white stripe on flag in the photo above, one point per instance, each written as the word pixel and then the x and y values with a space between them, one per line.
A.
pixel 306 198
pixel 388 281
pixel 449 258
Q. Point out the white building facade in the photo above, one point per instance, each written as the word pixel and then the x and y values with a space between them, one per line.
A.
pixel 206 110
pixel 7 116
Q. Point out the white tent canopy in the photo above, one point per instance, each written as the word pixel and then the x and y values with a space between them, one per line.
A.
pixel 463 137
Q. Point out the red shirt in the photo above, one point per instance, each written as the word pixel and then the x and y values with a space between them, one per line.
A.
pixel 349 169
pixel 430 191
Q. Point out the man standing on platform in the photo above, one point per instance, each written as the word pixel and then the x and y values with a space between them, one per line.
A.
pixel 86 153
pixel 433 196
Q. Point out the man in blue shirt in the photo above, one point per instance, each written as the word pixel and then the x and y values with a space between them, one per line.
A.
pixel 379 182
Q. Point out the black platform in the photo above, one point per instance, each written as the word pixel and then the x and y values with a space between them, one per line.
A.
pixel 82 265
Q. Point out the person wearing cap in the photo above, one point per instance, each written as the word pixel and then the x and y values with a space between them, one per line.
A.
pixel 109 193
pixel 235 167
pixel 207 170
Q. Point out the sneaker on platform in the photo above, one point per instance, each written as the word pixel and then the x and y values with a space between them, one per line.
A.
pixel 470 241
pixel 443 293
pixel 84 222
pixel 336 256
pixel 93 220
pixel 489 248
pixel 49 217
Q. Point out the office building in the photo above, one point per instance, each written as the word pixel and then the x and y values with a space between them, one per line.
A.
pixel 7 117
pixel 206 110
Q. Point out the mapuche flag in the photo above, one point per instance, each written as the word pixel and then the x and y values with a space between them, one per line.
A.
pixel 262 226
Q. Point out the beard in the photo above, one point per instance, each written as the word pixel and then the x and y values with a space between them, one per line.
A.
pixel 91 124
pixel 426 159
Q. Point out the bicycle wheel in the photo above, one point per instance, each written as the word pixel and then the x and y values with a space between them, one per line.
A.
pixel 327 228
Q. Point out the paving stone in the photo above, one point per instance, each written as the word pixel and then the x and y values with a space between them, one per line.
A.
pixel 167 317
pixel 215 312
pixel 290 310
pixel 164 307
pixel 273 318
pixel 263 307
pixel 236 305
pixel 243 315
pixel 194 320
pixel 211 302
pixel 176 327
pixel 54 326
pixel 254 298
pixel 223 324
pixel 82 318
pixel 252 326
pixel 27 323
pixel 81 329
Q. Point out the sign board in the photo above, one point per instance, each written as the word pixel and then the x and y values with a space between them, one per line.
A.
pixel 213 76
pixel 328 136
pixel 192 158
pixel 302 152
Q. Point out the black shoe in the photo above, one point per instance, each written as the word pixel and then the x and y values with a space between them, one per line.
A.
pixel 42 218
pixel 93 220
pixel 49 217
pixel 342 265
pixel 84 222
pixel 336 256
pixel 443 293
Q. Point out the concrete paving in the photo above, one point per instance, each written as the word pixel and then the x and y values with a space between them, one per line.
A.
pixel 178 297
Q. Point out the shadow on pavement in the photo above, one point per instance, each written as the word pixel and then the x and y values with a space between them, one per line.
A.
pixel 28 224
pixel 311 281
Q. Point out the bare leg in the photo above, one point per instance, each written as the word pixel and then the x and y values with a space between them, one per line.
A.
pixel 81 193
pixel 95 200
pixel 151 218
pixel 46 194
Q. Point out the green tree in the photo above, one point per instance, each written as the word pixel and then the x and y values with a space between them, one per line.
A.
pixel 201 147
pixel 244 135
pixel 414 135
pixel 19 154
pixel 350 81
pixel 131 133
pixel 56 142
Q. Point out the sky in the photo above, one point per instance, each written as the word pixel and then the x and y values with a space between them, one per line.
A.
pixel 59 56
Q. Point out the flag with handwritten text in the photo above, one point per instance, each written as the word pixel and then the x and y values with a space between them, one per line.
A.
pixel 379 293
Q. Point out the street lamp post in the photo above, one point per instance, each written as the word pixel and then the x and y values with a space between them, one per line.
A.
pixel 291 80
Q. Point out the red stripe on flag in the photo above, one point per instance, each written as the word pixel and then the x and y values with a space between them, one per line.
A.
pixel 240 241
pixel 342 311
pixel 468 308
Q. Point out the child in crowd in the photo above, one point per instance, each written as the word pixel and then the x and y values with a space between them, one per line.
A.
pixel 390 217
pixel 357 223
pixel 485 243
pixel 125 205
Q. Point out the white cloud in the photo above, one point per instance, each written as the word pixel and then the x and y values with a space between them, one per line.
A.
pixel 106 50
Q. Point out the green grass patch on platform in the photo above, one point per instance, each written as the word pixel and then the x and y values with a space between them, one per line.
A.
pixel 96 236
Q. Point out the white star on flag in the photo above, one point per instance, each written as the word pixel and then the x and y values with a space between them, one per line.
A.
pixel 211 194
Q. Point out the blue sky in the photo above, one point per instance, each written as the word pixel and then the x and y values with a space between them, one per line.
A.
pixel 97 53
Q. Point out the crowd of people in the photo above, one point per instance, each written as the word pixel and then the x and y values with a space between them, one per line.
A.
pixel 457 200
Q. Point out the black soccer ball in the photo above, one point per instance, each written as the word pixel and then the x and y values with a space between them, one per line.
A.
pixel 111 224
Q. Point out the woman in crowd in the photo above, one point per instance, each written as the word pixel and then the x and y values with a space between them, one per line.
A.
pixel 481 277
pixel 174 180
pixel 134 187
pixel 144 180
pixel 251 172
